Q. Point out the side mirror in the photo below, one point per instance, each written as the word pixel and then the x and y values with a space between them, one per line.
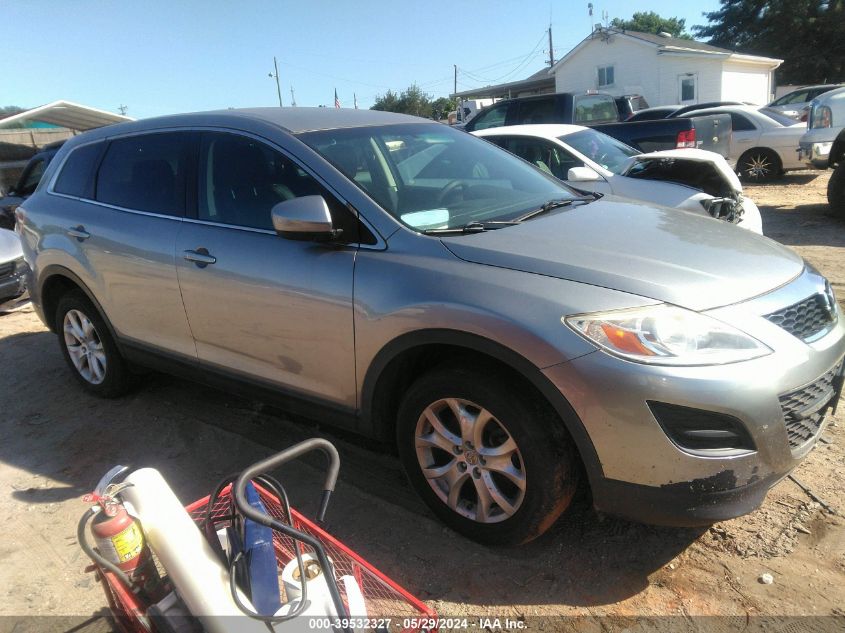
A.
pixel 582 174
pixel 306 218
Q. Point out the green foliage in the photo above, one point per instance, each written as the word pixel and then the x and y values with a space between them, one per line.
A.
pixel 650 22
pixel 6 111
pixel 809 35
pixel 414 101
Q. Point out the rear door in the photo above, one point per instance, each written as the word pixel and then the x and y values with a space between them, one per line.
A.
pixel 123 226
pixel 274 311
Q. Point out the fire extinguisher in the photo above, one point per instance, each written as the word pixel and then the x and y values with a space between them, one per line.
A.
pixel 121 546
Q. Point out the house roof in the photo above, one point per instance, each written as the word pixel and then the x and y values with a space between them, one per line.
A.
pixel 65 114
pixel 669 45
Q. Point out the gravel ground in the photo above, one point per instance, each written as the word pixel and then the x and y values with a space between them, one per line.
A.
pixel 604 574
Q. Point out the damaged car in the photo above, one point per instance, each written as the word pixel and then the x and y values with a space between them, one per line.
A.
pixel 12 271
pixel 689 179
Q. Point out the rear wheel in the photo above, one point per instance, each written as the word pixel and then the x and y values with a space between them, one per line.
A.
pixel 760 165
pixel 836 190
pixel 490 462
pixel 88 347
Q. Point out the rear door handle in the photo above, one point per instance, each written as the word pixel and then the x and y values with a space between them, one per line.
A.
pixel 79 233
pixel 200 257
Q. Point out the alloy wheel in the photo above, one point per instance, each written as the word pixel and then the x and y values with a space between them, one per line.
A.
pixel 84 347
pixel 470 460
pixel 759 166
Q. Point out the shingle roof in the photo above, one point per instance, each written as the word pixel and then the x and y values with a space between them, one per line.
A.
pixel 678 42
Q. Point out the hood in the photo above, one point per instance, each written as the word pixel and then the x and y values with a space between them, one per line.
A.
pixel 665 254
pixel 697 168
pixel 10 246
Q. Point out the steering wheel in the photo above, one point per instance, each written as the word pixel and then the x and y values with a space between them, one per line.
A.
pixel 448 189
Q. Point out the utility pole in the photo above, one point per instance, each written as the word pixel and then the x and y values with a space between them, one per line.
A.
pixel 292 98
pixel 276 75
pixel 551 49
pixel 122 108
pixel 455 89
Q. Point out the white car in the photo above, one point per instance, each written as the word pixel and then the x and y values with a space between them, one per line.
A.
pixel 764 143
pixel 690 179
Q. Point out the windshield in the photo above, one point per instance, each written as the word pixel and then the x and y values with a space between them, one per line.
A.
pixel 782 119
pixel 600 148
pixel 430 176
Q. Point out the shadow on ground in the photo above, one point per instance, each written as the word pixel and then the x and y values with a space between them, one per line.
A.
pixel 57 441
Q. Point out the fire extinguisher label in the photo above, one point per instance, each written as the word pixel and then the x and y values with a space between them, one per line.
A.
pixel 123 546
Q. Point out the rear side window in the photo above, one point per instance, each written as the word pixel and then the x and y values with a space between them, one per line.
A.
pixel 77 175
pixel 740 122
pixel 537 111
pixel 595 109
pixel 146 173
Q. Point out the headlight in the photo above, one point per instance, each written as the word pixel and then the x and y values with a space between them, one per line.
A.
pixel 666 335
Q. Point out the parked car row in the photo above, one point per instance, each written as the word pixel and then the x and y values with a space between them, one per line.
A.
pixel 419 285
pixel 689 179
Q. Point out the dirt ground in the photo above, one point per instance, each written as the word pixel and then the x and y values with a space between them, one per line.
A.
pixel 590 573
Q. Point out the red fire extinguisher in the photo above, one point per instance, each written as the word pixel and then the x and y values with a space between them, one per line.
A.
pixel 120 539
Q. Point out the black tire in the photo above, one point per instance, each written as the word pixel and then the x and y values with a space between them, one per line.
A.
pixel 836 190
pixel 546 454
pixel 759 165
pixel 116 379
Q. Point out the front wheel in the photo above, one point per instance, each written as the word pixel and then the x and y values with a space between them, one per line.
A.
pixel 836 190
pixel 491 462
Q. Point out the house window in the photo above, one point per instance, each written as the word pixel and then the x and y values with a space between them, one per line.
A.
pixel 688 88
pixel 605 76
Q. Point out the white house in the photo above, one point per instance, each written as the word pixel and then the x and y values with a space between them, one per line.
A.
pixel 665 70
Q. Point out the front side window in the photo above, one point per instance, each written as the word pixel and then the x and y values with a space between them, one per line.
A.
pixel 241 180
pixel 600 148
pixel 146 173
pixel 595 109
pixel 492 117
pixel 545 155
pixel 432 176
pixel 799 96
pixel 32 178
pixel 605 76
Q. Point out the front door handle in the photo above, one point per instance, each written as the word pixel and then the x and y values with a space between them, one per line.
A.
pixel 79 233
pixel 200 257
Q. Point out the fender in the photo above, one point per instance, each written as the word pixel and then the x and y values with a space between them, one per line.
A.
pixel 56 270
pixel 495 350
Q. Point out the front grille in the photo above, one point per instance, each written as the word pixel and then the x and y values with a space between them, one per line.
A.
pixel 806 318
pixel 6 269
pixel 804 409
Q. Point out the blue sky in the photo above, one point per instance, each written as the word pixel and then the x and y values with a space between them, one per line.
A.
pixel 159 57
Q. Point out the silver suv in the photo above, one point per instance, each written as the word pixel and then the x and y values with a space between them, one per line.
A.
pixel 414 283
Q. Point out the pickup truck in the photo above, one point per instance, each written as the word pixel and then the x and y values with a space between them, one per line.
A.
pixel 823 145
pixel 599 111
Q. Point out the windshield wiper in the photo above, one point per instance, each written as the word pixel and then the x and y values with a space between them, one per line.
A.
pixel 556 204
pixel 472 227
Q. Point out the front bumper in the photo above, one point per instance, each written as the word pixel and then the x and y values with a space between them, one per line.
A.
pixel 12 288
pixel 643 474
pixel 815 155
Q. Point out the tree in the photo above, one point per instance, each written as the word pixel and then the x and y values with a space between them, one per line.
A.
pixel 650 22
pixel 6 111
pixel 414 101
pixel 809 35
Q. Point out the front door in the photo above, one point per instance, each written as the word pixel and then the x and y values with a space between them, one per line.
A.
pixel 269 309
